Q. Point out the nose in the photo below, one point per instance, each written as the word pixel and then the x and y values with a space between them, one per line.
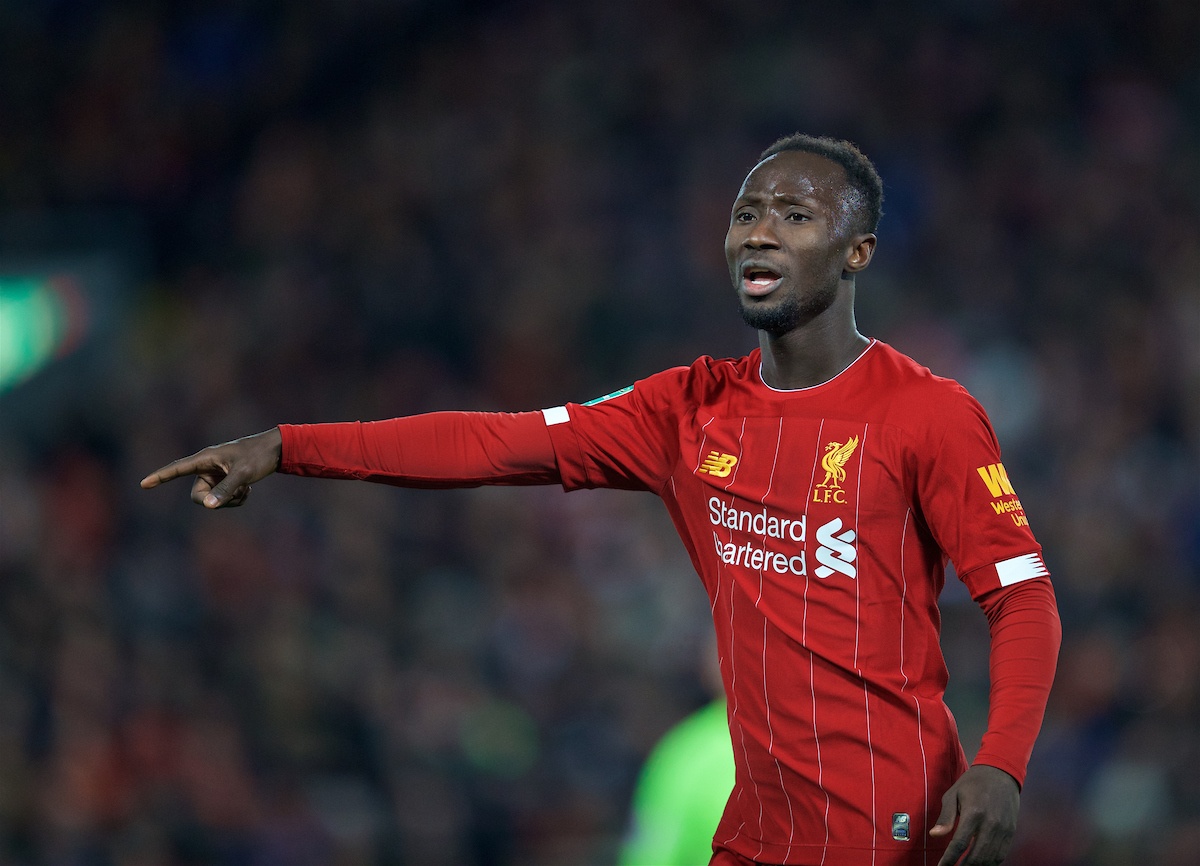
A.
pixel 761 235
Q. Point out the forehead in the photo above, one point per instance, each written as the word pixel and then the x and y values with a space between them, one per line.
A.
pixel 795 173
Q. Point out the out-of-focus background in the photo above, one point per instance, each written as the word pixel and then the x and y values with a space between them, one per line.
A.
pixel 217 216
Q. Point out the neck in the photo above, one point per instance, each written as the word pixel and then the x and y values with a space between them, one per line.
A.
pixel 814 352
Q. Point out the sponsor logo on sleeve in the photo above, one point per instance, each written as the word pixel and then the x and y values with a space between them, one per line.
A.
pixel 996 479
pixel 1004 498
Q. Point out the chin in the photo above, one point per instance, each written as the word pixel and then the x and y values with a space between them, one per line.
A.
pixel 778 314
pixel 775 318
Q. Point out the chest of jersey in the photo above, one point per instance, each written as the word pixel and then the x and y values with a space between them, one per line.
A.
pixel 792 499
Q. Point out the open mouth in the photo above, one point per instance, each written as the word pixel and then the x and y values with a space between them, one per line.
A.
pixel 758 281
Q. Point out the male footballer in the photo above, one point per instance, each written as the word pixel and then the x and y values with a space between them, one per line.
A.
pixel 819 484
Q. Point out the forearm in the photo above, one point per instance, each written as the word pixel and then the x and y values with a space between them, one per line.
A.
pixel 440 449
pixel 1025 637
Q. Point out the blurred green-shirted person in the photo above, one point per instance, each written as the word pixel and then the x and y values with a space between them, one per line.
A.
pixel 681 793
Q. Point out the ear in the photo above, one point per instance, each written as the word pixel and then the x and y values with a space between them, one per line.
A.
pixel 859 254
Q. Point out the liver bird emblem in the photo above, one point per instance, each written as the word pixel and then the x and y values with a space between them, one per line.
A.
pixel 834 461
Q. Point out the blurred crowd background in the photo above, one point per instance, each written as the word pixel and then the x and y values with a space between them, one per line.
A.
pixel 352 209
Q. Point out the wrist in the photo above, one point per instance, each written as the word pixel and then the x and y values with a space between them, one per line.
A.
pixel 983 768
pixel 275 440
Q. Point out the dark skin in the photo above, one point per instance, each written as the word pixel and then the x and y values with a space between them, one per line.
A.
pixel 789 220
pixel 794 219
pixel 794 247
pixel 224 473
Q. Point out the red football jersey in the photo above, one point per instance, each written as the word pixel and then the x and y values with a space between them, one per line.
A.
pixel 820 521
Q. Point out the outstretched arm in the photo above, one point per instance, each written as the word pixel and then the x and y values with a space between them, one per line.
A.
pixel 225 472
pixel 439 449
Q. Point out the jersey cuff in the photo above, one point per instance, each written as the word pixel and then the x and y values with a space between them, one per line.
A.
pixel 287 447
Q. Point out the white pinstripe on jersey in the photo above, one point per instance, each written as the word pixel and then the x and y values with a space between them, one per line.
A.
pixel 695 469
pixel 862 448
pixel 804 640
pixel 904 688
pixel 733 714
pixel 766 692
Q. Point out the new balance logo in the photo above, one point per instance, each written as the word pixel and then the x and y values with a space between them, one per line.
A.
pixel 836 552
pixel 718 465
pixel 996 479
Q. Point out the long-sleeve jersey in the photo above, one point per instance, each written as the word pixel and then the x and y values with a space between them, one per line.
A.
pixel 820 522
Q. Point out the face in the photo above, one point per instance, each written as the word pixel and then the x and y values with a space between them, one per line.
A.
pixel 791 238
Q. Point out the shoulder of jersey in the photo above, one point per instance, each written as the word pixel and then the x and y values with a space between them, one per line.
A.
pixel 702 375
pixel 707 374
pixel 706 365
pixel 914 386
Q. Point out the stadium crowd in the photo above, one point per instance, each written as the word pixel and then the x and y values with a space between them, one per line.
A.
pixel 364 209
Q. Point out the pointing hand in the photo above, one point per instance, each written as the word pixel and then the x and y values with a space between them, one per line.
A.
pixel 225 472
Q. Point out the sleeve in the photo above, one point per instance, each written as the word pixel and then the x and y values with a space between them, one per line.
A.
pixel 968 502
pixel 440 449
pixel 1025 638
pixel 628 440
pixel 976 518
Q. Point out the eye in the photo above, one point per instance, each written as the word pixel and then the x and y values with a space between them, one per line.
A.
pixel 797 217
pixel 743 217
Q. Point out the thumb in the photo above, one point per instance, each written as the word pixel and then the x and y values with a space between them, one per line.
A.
pixel 222 492
pixel 945 821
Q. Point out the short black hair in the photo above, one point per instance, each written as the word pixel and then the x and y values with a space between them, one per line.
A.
pixel 861 174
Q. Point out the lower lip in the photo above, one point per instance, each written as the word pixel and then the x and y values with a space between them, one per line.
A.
pixel 759 290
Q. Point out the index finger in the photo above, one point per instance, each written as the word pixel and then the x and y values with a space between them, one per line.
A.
pixel 959 844
pixel 182 466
